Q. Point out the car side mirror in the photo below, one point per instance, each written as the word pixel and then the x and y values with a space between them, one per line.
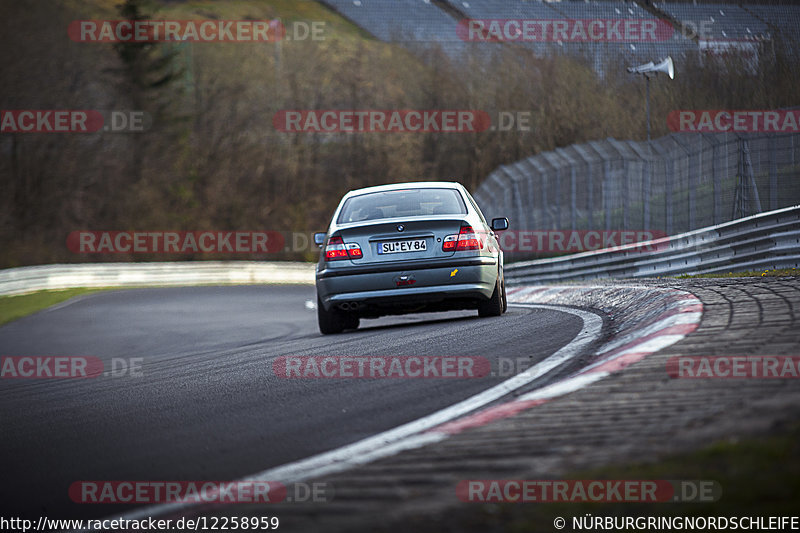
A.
pixel 499 224
pixel 319 238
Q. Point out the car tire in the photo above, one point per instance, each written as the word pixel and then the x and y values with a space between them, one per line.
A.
pixel 330 322
pixel 505 299
pixel 351 322
pixel 494 305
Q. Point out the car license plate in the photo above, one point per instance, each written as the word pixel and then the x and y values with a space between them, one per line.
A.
pixel 396 247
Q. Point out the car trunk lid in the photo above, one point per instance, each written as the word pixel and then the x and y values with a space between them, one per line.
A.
pixel 402 240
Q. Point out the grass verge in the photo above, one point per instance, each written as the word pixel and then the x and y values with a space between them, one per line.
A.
pixel 14 307
pixel 777 273
pixel 758 477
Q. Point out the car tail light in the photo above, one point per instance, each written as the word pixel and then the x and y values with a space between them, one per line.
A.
pixel 354 250
pixel 337 249
pixel 466 239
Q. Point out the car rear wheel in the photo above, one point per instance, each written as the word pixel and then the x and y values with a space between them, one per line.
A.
pixel 334 321
pixel 351 322
pixel 494 305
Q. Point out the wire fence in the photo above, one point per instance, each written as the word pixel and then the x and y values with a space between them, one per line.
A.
pixel 671 185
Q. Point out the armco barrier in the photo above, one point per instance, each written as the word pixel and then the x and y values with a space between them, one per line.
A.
pixel 36 278
pixel 766 240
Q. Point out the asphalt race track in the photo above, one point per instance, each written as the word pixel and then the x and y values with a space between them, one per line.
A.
pixel 208 405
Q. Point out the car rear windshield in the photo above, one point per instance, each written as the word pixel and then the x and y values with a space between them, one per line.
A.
pixel 402 203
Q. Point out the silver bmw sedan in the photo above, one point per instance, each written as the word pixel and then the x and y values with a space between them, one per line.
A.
pixel 408 248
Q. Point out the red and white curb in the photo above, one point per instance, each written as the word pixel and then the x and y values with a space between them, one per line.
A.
pixel 678 315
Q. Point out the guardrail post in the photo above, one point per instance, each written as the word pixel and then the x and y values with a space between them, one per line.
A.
pixel 557 197
pixel 747 201
pixel 716 185
pixel 626 197
pixel 606 194
pixel 647 170
pixel 535 218
pixel 669 168
pixel 508 192
pixel 573 191
pixel 581 151
pixel 516 196
pixel 590 196
pixel 538 181
pixel 773 174
pixel 751 178
pixel 693 190
pixel 543 188
pixel 569 161
pixel 690 180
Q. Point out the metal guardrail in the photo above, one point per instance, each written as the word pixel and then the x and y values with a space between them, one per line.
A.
pixel 47 277
pixel 766 240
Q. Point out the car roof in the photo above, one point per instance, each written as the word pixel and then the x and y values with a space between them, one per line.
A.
pixel 406 185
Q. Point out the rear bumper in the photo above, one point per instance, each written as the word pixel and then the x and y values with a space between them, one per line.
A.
pixel 456 284
pixel 406 267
